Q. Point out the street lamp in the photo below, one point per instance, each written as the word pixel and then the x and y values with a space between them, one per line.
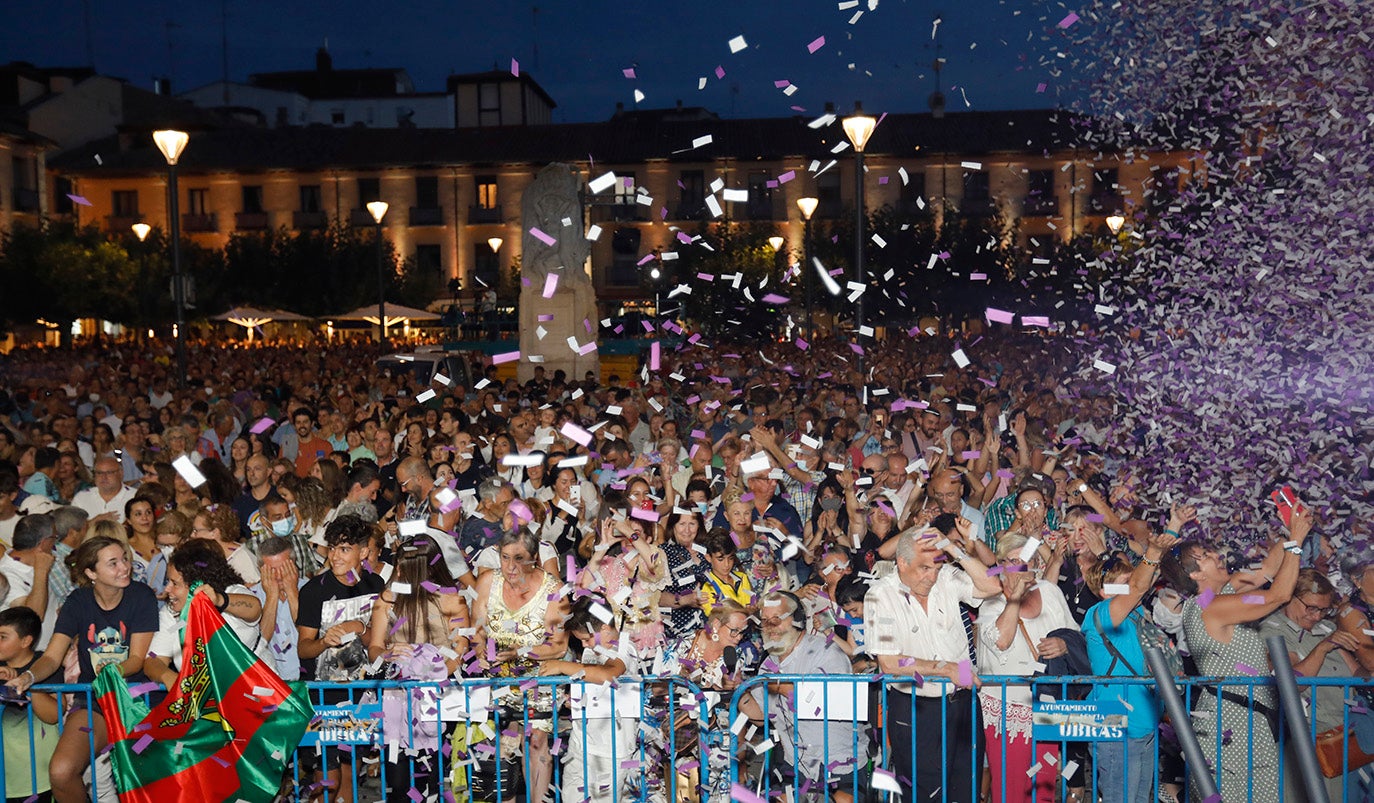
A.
pixel 378 211
pixel 141 231
pixel 859 127
pixel 172 143
pixel 807 206
pixel 1115 222
pixel 495 243
pixel 776 242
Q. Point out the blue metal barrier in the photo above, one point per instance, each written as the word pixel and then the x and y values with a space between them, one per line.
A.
pixel 823 737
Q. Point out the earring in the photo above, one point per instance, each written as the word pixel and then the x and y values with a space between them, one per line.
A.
pixel 715 637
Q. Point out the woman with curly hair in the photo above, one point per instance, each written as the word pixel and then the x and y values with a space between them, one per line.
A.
pixel 198 562
pixel 311 502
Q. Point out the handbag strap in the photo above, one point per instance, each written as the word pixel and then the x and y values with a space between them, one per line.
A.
pixel 1111 648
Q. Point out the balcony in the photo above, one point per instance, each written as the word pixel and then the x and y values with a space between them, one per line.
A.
pixel 121 223
pixel 761 210
pixel 192 223
pixel 1040 206
pixel 26 200
pixel 1105 203
pixel 908 208
pixel 484 214
pixel 690 210
pixel 250 221
pixel 302 221
pixel 426 216
pixel 977 207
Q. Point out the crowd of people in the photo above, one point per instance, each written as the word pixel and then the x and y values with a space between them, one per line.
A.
pixel 725 516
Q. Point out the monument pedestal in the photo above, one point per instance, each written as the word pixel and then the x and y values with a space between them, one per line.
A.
pixel 562 317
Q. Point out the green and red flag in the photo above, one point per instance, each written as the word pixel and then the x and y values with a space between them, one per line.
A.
pixel 224 732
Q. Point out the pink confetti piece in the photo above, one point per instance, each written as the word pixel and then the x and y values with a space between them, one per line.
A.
pixel 539 235
pixel 1069 20
pixel 783 178
pixel 142 743
pixel 1042 321
pixel 999 316
pixel 79 200
pixel 629 72
pixel 774 298
pixel 509 356
pixel 655 356
pixel 965 673
pixel 1205 597
pixel 515 68
pixel 816 44
pixel 550 285
pixel 744 795
pixel 1041 87
pixel 720 72
pixel 261 425
pixel 1253 599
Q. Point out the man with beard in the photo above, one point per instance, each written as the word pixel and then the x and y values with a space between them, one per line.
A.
pixel 816 749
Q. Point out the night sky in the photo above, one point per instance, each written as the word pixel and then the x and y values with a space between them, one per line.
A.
pixel 883 59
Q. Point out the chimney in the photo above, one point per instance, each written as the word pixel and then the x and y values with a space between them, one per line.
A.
pixel 323 62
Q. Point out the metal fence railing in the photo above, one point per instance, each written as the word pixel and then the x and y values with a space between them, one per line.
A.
pixel 844 738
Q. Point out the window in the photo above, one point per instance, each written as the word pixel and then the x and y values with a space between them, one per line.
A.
pixel 310 198
pixel 692 196
pixel 124 203
pixel 828 194
pixel 486 267
pixel 62 187
pixel 1104 182
pixel 625 191
pixel 427 192
pixel 488 104
pixel 336 116
pixel 369 190
pixel 1040 193
pixel 911 197
pixel 976 187
pixel 760 206
pixel 197 201
pixel 624 257
pixel 429 258
pixel 486 192
pixel 252 198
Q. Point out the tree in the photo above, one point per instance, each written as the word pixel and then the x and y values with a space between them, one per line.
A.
pixel 743 270
pixel 61 273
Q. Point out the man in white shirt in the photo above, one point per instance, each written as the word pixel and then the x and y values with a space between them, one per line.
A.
pixel 26 567
pixel 106 500
pixel 914 629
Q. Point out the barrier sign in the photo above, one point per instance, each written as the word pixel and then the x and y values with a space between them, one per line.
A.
pixel 345 724
pixel 1079 721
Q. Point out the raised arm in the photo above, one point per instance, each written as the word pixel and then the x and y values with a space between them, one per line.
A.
pixel 1228 610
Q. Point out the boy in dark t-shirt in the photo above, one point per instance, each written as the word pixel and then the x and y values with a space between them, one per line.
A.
pixel 332 621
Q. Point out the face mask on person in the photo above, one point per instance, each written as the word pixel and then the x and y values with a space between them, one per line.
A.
pixel 284 527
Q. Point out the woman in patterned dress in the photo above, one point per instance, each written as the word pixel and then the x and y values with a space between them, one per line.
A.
pixel 519 612
pixel 1220 620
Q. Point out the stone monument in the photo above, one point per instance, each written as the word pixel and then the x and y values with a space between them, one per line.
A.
pixel 556 294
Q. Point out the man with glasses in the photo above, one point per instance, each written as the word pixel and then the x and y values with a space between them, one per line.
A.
pixel 1317 649
pixel 947 490
pixel 105 501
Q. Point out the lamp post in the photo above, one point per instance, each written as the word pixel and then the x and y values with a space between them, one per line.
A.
pixel 807 206
pixel 859 127
pixel 172 143
pixel 378 211
pixel 656 274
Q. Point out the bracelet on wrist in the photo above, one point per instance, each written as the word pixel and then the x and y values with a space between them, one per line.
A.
pixel 1174 533
pixel 1294 551
pixel 1291 545
pixel 1148 562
